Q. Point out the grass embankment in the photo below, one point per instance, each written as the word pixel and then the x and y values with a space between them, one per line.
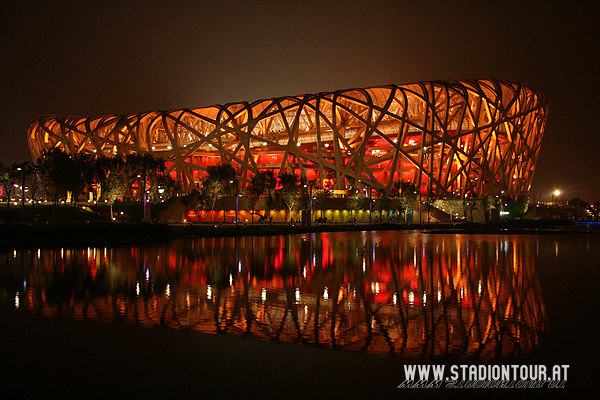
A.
pixel 67 213
pixel 82 224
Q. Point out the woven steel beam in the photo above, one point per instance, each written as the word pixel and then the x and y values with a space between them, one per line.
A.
pixel 467 137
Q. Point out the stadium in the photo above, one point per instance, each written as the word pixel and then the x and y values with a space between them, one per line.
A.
pixel 467 137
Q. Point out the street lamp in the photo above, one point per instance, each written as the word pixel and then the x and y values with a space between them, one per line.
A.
pixel 370 205
pixel 310 198
pixel 161 190
pixel 22 194
pixel 555 197
pixel 420 207
pixel 236 200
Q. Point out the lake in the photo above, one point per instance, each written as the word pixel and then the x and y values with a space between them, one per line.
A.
pixel 406 295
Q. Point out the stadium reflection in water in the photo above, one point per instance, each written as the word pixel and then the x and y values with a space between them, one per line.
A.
pixel 390 293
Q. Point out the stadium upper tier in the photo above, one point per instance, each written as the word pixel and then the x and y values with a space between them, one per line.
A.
pixel 468 137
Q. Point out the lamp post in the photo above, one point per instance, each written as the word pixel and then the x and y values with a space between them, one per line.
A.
pixel 311 209
pixel 236 200
pixel 370 205
pixel 161 190
pixel 555 197
pixel 142 183
pixel 420 207
pixel 310 199
pixel 22 194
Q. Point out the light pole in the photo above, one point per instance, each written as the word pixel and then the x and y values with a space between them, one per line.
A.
pixel 236 200
pixel 310 199
pixel 142 183
pixel 420 207
pixel 311 209
pixel 22 194
pixel 161 190
pixel 555 197
pixel 370 205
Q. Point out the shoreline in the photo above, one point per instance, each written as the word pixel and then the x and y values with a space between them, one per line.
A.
pixel 110 233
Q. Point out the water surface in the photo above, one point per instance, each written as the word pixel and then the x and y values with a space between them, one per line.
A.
pixel 406 294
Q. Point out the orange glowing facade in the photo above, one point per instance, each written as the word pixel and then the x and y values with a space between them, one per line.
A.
pixel 468 137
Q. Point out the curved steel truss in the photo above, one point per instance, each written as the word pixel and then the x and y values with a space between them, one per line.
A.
pixel 469 136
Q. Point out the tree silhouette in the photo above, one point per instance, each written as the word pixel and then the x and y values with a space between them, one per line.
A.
pixel 7 178
pixel 382 202
pixel 112 189
pixel 354 201
pixel 406 194
pixel 489 203
pixel 22 171
pixel 143 167
pixel 320 196
pixel 290 190
pixel 218 183
pixel 59 175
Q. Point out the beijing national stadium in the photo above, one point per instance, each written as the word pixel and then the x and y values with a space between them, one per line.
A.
pixel 468 137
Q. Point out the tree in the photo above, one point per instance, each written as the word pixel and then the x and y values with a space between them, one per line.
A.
pixel 225 174
pixel 211 192
pixel 489 204
pixel 3 172
pixel 406 194
pixel 255 190
pixel 59 174
pixel 270 184
pixel 112 189
pixel 320 196
pixel 354 200
pixel 382 202
pixel 290 188
pixel 95 170
pixel 429 200
pixel 253 200
pixel 164 187
pixel 7 178
pixel 262 183
pixel 22 171
pixel 470 204
pixel 217 184
pixel 143 167
pixel 32 182
pixel 521 204
pixel 195 201
pixel 450 204
pixel 579 204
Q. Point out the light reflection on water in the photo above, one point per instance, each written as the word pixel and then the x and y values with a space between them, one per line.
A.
pixel 407 294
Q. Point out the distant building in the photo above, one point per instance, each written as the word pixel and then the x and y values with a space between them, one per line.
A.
pixel 468 137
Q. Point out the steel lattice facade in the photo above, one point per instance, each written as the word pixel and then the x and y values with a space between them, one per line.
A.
pixel 480 137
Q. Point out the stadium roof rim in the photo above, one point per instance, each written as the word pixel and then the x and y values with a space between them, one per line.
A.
pixel 455 82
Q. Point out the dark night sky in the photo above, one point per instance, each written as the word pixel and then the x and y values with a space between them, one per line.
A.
pixel 112 57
